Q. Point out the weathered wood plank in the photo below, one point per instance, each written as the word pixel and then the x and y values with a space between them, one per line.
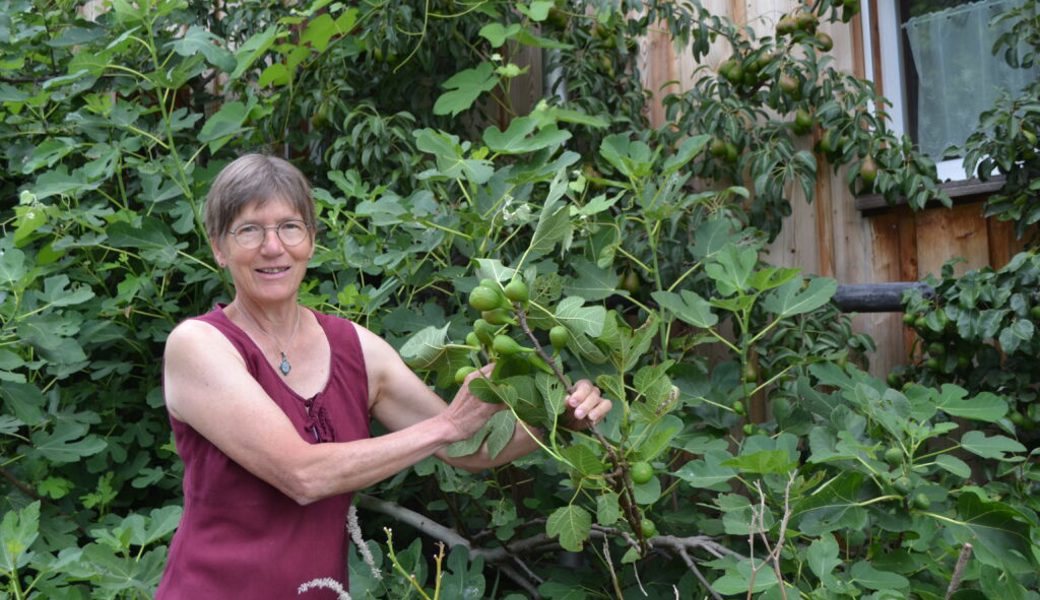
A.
pixel 944 234
pixel 1003 244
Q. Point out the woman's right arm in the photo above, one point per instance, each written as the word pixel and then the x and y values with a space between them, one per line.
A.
pixel 207 386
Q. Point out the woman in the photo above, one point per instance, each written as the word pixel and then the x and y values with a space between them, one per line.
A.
pixel 270 404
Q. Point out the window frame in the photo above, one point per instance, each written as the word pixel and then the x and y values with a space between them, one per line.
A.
pixel 890 57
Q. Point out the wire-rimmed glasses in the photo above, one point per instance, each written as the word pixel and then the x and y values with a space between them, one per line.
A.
pixel 250 235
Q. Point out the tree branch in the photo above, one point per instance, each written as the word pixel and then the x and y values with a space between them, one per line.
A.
pixel 502 556
pixel 958 571
pixel 447 535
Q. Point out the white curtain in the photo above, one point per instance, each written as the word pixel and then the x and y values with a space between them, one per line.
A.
pixel 959 75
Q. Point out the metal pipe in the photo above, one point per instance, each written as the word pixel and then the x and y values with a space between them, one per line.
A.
pixel 876 297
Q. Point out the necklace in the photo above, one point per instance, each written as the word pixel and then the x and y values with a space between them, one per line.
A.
pixel 283 366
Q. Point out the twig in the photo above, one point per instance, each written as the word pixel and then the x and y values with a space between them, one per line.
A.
pixel 521 314
pixel 772 553
pixel 697 573
pixel 610 569
pixel 958 571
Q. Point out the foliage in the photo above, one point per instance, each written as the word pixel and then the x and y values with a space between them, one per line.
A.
pixel 979 331
pixel 730 376
pixel 773 98
pixel 1005 140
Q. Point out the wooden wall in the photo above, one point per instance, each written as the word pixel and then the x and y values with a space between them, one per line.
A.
pixel 836 236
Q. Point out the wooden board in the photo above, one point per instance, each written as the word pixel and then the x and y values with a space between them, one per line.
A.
pixel 1003 244
pixel 947 233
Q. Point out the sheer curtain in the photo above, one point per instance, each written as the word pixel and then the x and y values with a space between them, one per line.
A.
pixel 959 75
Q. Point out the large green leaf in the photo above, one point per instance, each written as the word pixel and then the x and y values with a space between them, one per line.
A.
pixel 12 266
pixel 739 580
pixel 502 427
pixel 608 508
pixel 18 530
pixel 450 155
pixel 587 462
pixel 822 557
pixel 792 299
pixel 1016 335
pixel 24 401
pixel 994 447
pixel 954 465
pixel 51 334
pixel 226 122
pixel 688 306
pixel 571 524
pixel 713 235
pixel 762 462
pixel 867 576
pixel 633 159
pixel 463 579
pixel 426 348
pixel 983 407
pixel 497 34
pixel 834 506
pixel 999 534
pixel 256 46
pixel 592 283
pixel 688 149
pixel 69 442
pixel 554 222
pixel 521 137
pixel 587 320
pixel 709 472
pixel 731 268
pixel 322 28
pixel 56 292
pixel 464 88
pixel 198 40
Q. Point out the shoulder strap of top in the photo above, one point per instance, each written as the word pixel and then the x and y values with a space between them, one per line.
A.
pixel 239 339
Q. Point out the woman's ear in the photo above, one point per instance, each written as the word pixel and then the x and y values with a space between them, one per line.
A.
pixel 218 254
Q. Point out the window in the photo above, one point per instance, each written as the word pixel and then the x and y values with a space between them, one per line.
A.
pixel 938 69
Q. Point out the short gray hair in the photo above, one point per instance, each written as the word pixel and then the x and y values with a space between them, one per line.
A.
pixel 255 178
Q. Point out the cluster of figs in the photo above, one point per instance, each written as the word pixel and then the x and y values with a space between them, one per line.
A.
pixel 499 308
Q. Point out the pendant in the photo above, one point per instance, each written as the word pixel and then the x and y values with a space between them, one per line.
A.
pixel 284 367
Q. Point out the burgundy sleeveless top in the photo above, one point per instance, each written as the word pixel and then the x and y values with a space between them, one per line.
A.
pixel 239 537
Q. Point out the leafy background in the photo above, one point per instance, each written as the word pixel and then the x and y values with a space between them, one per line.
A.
pixel 779 467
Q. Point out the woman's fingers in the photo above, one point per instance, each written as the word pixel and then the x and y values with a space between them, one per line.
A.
pixel 586 404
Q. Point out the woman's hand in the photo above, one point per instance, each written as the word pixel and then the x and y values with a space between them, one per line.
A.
pixel 467 413
pixel 585 406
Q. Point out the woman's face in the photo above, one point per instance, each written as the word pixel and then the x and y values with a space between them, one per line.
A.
pixel 271 272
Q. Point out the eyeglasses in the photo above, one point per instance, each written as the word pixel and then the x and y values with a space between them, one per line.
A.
pixel 250 235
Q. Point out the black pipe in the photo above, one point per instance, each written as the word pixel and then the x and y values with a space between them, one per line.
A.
pixel 876 297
